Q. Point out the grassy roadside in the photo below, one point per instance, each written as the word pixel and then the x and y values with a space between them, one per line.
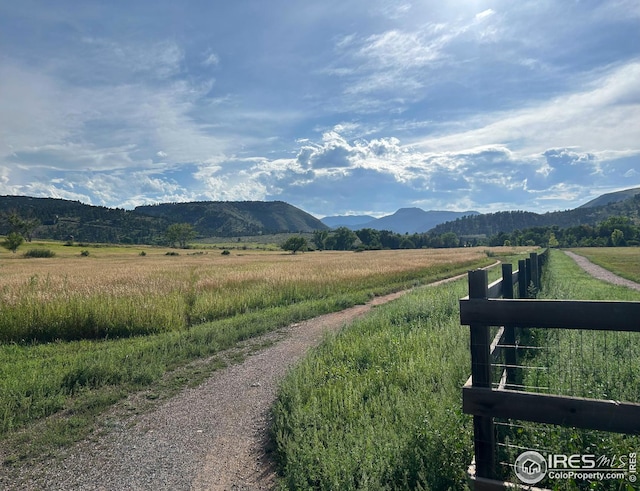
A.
pixel 51 393
pixel 378 406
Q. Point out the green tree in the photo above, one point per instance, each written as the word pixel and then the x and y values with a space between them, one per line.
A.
pixel 450 239
pixel 344 238
pixel 370 238
pixel 319 238
pixel 553 242
pixel 406 243
pixel 617 238
pixel 295 244
pixel 180 233
pixel 24 227
pixel 13 241
pixel 28 227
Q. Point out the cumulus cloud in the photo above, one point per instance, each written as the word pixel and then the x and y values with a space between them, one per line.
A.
pixel 413 104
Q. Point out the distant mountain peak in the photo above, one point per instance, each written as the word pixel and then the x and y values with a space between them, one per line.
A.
pixel 404 220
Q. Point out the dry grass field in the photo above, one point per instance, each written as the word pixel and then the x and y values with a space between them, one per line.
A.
pixel 121 321
pixel 118 292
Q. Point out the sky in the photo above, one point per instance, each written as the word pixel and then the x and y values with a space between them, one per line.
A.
pixel 336 107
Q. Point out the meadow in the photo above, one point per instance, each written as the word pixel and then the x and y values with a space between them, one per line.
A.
pixel 116 292
pixel 378 406
pixel 85 328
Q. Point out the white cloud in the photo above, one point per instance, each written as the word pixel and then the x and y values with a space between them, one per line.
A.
pixel 126 61
pixel 484 14
pixel 211 59
pixel 605 115
pixel 323 104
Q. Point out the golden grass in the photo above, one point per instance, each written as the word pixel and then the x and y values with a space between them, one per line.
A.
pixel 117 292
pixel 127 273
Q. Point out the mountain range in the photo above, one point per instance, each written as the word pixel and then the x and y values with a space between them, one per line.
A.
pixel 405 220
pixel 61 219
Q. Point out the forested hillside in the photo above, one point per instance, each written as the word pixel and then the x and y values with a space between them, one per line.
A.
pixel 509 221
pixel 61 219
pixel 221 218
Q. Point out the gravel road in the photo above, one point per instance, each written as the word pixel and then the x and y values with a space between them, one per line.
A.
pixel 212 437
pixel 601 273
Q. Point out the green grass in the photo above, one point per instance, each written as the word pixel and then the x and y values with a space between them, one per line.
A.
pixel 378 406
pixel 592 364
pixel 85 377
pixel 51 393
pixel 623 261
pixel 566 280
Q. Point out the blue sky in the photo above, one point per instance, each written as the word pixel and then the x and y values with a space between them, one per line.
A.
pixel 337 107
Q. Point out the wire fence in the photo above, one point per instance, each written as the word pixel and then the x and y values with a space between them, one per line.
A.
pixel 577 363
pixel 564 383
pixel 588 364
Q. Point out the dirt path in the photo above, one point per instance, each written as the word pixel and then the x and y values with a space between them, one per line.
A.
pixel 212 437
pixel 601 273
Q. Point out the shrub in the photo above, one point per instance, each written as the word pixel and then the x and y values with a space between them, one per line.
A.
pixel 39 253
pixel 84 253
pixel 225 252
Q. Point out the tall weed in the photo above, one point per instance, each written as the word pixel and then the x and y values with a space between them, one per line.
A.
pixel 378 406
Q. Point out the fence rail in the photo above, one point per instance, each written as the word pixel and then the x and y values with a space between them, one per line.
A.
pixel 487 396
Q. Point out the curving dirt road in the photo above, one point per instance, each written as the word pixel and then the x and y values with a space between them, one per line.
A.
pixel 212 437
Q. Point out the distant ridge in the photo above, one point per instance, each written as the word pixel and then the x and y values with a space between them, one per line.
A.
pixel 609 198
pixel 61 219
pixel 353 222
pixel 507 221
pixel 405 220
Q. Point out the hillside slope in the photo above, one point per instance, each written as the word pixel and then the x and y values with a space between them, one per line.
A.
pixel 227 218
pixel 508 221
pixel 61 219
pixel 609 198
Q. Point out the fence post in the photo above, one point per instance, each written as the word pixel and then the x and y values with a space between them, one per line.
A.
pixel 535 271
pixel 522 281
pixel 484 435
pixel 527 276
pixel 510 355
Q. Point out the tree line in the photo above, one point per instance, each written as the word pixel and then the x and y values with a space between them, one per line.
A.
pixel 617 231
